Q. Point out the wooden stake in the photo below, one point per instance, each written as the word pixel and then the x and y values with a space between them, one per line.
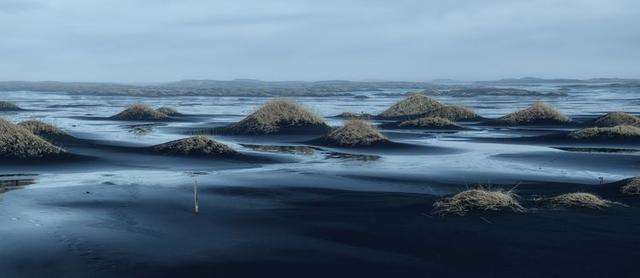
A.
pixel 195 197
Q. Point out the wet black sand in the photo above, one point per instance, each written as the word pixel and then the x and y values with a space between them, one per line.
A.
pixel 294 207
pixel 296 229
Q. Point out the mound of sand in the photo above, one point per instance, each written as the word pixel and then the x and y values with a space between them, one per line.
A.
pixel 453 113
pixel 480 199
pixel 413 105
pixel 17 142
pixel 196 146
pixel 430 122
pixel 622 132
pixel 356 133
pixel 538 113
pixel 631 186
pixel 579 199
pixel 169 111
pixel 280 116
pixel 47 131
pixel 8 106
pixel 140 112
pixel 612 119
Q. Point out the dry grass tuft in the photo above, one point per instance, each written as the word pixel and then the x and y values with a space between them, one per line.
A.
pixel 17 142
pixel 47 131
pixel 43 129
pixel 169 111
pixel 454 113
pixel 197 146
pixel 8 106
pixel 612 119
pixel 430 122
pixel 616 132
pixel 579 199
pixel 356 133
pixel 277 116
pixel 538 113
pixel 140 112
pixel 480 199
pixel 631 186
pixel 413 105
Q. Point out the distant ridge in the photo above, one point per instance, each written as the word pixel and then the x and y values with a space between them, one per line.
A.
pixel 535 80
pixel 259 88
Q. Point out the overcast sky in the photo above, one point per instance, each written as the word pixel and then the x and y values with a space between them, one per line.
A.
pixel 166 40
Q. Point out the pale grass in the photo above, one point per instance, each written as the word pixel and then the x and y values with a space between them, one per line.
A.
pixel 17 142
pixel 480 199
pixel 538 113
pixel 413 105
pixel 356 133
pixel 197 145
pixel 276 115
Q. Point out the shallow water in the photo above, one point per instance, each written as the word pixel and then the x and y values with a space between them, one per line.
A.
pixel 111 202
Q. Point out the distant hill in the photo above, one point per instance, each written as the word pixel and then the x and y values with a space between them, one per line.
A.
pixel 535 80
pixel 259 88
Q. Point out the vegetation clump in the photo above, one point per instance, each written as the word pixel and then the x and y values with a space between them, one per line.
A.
pixel 169 111
pixel 196 146
pixel 538 113
pixel 631 186
pixel 140 112
pixel 430 122
pixel 8 106
pixel 413 105
pixel 18 143
pixel 480 199
pixel 453 113
pixel 612 119
pixel 47 131
pixel 356 133
pixel 621 132
pixel 579 199
pixel 280 116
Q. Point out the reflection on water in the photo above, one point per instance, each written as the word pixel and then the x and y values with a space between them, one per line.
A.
pixel 304 150
pixel 350 156
pixel 140 129
pixel 11 181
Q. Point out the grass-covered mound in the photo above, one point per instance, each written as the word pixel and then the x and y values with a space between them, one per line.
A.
pixel 280 117
pixel 8 106
pixel 413 105
pixel 453 113
pixel 622 132
pixel 194 146
pixel 17 143
pixel 539 113
pixel 356 133
pixel 579 199
pixel 429 123
pixel 140 112
pixel 631 186
pixel 47 131
pixel 612 119
pixel 480 199
pixel 169 111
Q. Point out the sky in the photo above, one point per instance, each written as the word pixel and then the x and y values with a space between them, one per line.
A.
pixel 412 40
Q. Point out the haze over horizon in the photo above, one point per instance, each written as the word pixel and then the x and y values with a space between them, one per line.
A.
pixel 169 40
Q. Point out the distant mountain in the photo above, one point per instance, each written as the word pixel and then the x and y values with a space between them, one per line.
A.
pixel 535 80
pixel 237 87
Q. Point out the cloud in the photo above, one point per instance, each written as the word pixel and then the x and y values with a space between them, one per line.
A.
pixel 145 40
pixel 16 6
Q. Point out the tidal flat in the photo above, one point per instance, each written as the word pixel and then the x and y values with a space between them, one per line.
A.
pixel 288 205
